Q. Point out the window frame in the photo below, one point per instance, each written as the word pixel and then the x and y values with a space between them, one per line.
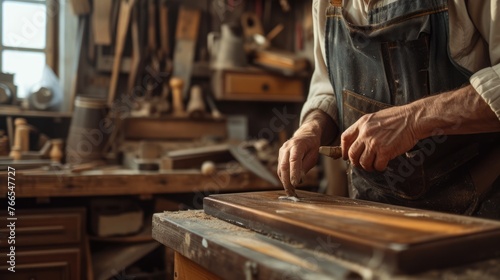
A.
pixel 51 33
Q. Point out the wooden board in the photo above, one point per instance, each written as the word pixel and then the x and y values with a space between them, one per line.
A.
pixel 396 238
pixel 227 250
pixel 173 128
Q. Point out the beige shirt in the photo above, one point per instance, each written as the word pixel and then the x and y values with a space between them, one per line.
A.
pixel 474 44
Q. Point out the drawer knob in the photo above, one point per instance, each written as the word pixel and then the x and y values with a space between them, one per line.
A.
pixel 265 87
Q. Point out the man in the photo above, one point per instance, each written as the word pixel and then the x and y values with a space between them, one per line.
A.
pixel 413 87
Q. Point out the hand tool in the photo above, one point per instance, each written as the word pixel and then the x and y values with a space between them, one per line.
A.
pixel 185 45
pixel 196 105
pixel 275 32
pixel 164 55
pixel 334 152
pixel 216 114
pixel 164 36
pixel 251 162
pixel 136 51
pixel 22 131
pixel 253 32
pixel 121 34
pixel 178 106
pixel 56 153
pixel 101 25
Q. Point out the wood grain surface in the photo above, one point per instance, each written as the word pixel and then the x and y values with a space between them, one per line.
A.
pixel 232 251
pixel 398 238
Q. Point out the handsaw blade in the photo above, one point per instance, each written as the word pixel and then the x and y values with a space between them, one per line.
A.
pixel 253 164
pixel 187 29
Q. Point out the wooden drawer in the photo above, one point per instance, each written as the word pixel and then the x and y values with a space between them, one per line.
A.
pixel 63 264
pixel 47 227
pixel 261 86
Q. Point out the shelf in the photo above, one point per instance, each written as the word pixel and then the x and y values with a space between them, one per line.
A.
pixel 16 112
pixel 143 236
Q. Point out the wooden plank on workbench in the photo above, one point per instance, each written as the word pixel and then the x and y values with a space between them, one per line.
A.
pixel 232 252
pixel 404 239
pixel 227 248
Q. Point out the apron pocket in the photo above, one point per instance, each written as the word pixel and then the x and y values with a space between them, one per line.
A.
pixel 403 178
pixel 356 105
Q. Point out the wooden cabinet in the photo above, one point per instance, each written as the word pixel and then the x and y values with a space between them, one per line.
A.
pixel 59 264
pixel 49 244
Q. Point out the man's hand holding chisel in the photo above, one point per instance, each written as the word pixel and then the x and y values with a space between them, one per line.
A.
pixel 299 154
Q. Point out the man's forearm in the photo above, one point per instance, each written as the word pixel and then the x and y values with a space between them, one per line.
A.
pixel 321 124
pixel 462 111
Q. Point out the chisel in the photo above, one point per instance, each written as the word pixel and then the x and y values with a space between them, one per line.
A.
pixel 334 152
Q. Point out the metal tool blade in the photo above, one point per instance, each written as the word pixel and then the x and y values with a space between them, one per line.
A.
pixel 253 164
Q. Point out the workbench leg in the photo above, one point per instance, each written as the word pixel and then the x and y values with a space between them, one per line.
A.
pixel 185 269
pixel 169 263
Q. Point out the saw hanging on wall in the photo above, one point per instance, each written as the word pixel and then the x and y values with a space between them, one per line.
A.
pixel 188 23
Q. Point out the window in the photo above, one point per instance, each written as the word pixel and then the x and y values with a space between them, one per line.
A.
pixel 26 43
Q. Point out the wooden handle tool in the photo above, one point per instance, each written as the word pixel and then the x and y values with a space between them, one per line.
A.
pixel 121 35
pixel 196 105
pixel 334 152
pixel 21 139
pixel 177 85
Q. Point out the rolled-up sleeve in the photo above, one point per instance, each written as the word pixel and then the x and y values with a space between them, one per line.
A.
pixel 487 84
pixel 320 94
pixel 486 17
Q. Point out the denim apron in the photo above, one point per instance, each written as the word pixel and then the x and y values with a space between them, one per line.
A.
pixel 402 55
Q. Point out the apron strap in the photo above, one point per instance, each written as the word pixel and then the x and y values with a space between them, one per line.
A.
pixel 336 3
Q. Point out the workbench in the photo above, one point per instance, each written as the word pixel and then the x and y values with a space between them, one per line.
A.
pixel 131 182
pixel 209 248
pixel 58 189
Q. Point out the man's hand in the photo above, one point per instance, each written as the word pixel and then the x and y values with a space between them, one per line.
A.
pixel 299 154
pixel 376 138
pixel 379 137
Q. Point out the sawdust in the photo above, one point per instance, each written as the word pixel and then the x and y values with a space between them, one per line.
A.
pixel 190 214
pixel 289 198
pixel 215 223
